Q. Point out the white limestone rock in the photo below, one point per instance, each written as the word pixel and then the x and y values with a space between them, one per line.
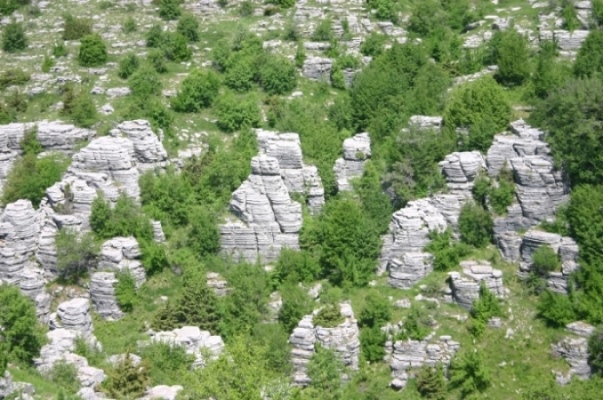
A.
pixel 102 295
pixel 460 170
pixel 356 150
pixel 424 122
pixel 33 285
pixel 465 286
pixel 194 341
pixel 148 149
pixel 575 352
pixel 404 272
pixel 158 234
pixel 318 69
pixel 567 42
pixel 74 315
pixel 122 254
pixel 216 282
pixel 162 392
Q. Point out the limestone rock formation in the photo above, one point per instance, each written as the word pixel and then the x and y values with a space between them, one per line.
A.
pixel 162 392
pixel 318 69
pixel 216 282
pixel 158 234
pixel 356 150
pixel 194 341
pixel 460 170
pixel 149 152
pixel 409 230
pixel 298 177
pixel 33 285
pixel 410 268
pixel 575 352
pixel 102 295
pixel 122 254
pixel 407 356
pixel 267 218
pixel 19 230
pixel 423 122
pixel 73 315
pixel 465 286
pixel 344 339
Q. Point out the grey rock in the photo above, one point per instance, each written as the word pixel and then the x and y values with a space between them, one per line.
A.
pixel 122 254
pixel 162 392
pixel 317 69
pixel 102 295
pixel 424 122
pixel 74 315
pixel 217 283
pixel 149 152
pixel 158 234
pixel 460 170
pixel 509 243
pixel 7 386
pixel 194 341
pixel 117 359
pixel 465 286
pixel 575 352
pixel 580 328
pixel 356 150
pixel 568 42
pixel 404 272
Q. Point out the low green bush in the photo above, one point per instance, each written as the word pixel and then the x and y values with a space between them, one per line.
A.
pixel 169 9
pixel 75 28
pixel 14 38
pixel 198 90
pixel 475 225
pixel 277 75
pixel 329 316
pixel 188 26
pixel 235 113
pixel 127 66
pixel 446 253
pixel 76 255
pixel 414 326
pixel 12 77
pixel 145 83
pixel 93 51
pixel 125 291
pixel 130 25
pixel 545 260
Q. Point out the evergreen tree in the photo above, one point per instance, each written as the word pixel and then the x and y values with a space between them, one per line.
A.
pixel 13 38
pixel 512 57
pixel 324 370
pixel 126 380
pixel 431 383
pixel 469 373
pixel 198 305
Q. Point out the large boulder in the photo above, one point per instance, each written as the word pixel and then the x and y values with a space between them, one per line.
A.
pixel 102 295
pixel 356 150
pixel 465 286
pixel 122 254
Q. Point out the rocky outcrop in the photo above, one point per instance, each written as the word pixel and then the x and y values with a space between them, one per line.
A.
pixel 318 69
pixel 565 247
pixel 409 231
pixel 407 356
pixel 33 285
pixel 298 177
pixel 194 341
pixel 356 150
pixel 575 352
pixel 465 286
pixel 158 234
pixel 73 315
pixel 410 268
pixel 149 152
pixel 122 254
pixel 267 219
pixel 102 295
pixel 216 282
pixel 460 170
pixel 19 231
pixel 163 392
pixel 7 386
pixel 344 339
pixel 568 42
pixel 424 122
pixel 509 243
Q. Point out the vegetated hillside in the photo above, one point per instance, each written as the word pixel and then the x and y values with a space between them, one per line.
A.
pixel 300 200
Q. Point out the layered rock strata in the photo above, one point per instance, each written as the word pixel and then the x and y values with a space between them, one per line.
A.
pixel 356 150
pixel 344 339
pixel 460 170
pixel 266 219
pixel 194 341
pixel 102 295
pixel 465 286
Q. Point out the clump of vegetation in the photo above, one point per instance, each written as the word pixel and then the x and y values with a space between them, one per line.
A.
pixel 169 9
pixel 79 107
pixel 484 308
pixel 446 253
pixel 127 66
pixel 188 26
pixel 431 383
pixel 198 90
pixel 14 38
pixel 469 374
pixel 93 51
pixel 12 77
pixel 414 326
pixel 235 113
pixel 145 83
pixel 125 291
pixel 329 316
pixel 127 380
pixel 76 255
pixel 75 28
pixel 475 225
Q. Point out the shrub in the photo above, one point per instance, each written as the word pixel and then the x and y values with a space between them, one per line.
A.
pixel 570 16
pixel 512 57
pixel 59 50
pixel 128 65
pixel 484 308
pixel 166 364
pixel 323 31
pixel 12 77
pixel 589 59
pixel 373 44
pixel 502 197
pixel 64 375
pixel 296 266
pixel 446 254
pixel 475 225
pixel 31 176
pixel 145 83
pixel 282 3
pixel 76 255
pixel 477 101
pixel 204 236
pixel 329 316
pixel 78 106
pixel 545 260
pixel 7 7
pixel 154 37
pixel 169 9
pixel 198 305
pixel 414 326
pixel 75 28
pixel 175 47
pixel 556 309
pixel 277 75
pixel 13 38
pixel 93 51
pixel 156 59
pixel 376 311
pixel 130 25
pixel 240 75
pixel 21 334
pixel 125 291
pixel 300 55
pixel 124 219
pixel 549 74
pixel 296 304
pixel 469 373
pixel 246 8
pixel 372 342
pixel 127 380
pixel 235 113
pixel 431 383
pixel 597 12
pixel 324 370
pixel 47 64
pixel 595 351
pixel 188 26
pixel 198 90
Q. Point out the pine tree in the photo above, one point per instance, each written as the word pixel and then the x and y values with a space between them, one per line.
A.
pixel 126 380
pixel 431 383
pixel 165 318
pixel 198 305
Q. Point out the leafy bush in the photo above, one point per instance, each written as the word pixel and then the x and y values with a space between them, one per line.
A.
pixel 76 255
pixel 127 380
pixel 324 370
pixel 93 51
pixel 477 101
pixel 300 55
pixel 12 77
pixel 240 75
pixel 597 12
pixel 79 107
pixel 376 311
pixel 169 9
pixel 323 31
pixel 475 225
pixel 296 266
pixel 124 219
pixel 7 7
pixel 372 342
pixel 235 113
pixel 282 3
pixel 595 351
pixel 175 47
pixel 21 335
pixel 13 37
pixel 130 25
pixel 431 383
pixel 414 327
pixel 570 16
pixel 156 59
pixel 188 26
pixel 549 74
pixel 484 308
pixel 128 65
pixel 373 44
pixel 154 36
pixel 275 340
pixel 469 373
pixel 246 8
pixel 125 291
pixel 512 57
pixel 59 50
pixel 545 260
pixel 296 304
pixel 47 64
pixel 75 28
pixel 145 83
pixel 329 316
pixel 64 375
pixel 198 90
pixel 556 309
pixel 277 75
pixel 166 364
pixel 502 197
pixel 589 59
pixel 446 254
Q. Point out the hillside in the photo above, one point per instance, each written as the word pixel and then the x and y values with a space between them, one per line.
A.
pixel 280 199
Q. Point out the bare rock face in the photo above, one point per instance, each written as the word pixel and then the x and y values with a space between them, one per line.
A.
pixel 194 341
pixel 33 285
pixel 19 231
pixel 423 122
pixel 344 339
pixel 409 230
pixel 509 243
pixel 102 295
pixel 122 254
pixel 148 149
pixel 158 234
pixel 407 356
pixel 565 247
pixel 7 386
pixel 568 42
pixel 460 170
pixel 575 352
pixel 267 218
pixel 216 282
pixel 298 177
pixel 318 69
pixel 356 150
pixel 71 197
pixel 465 286
pixel 410 268
pixel 74 315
